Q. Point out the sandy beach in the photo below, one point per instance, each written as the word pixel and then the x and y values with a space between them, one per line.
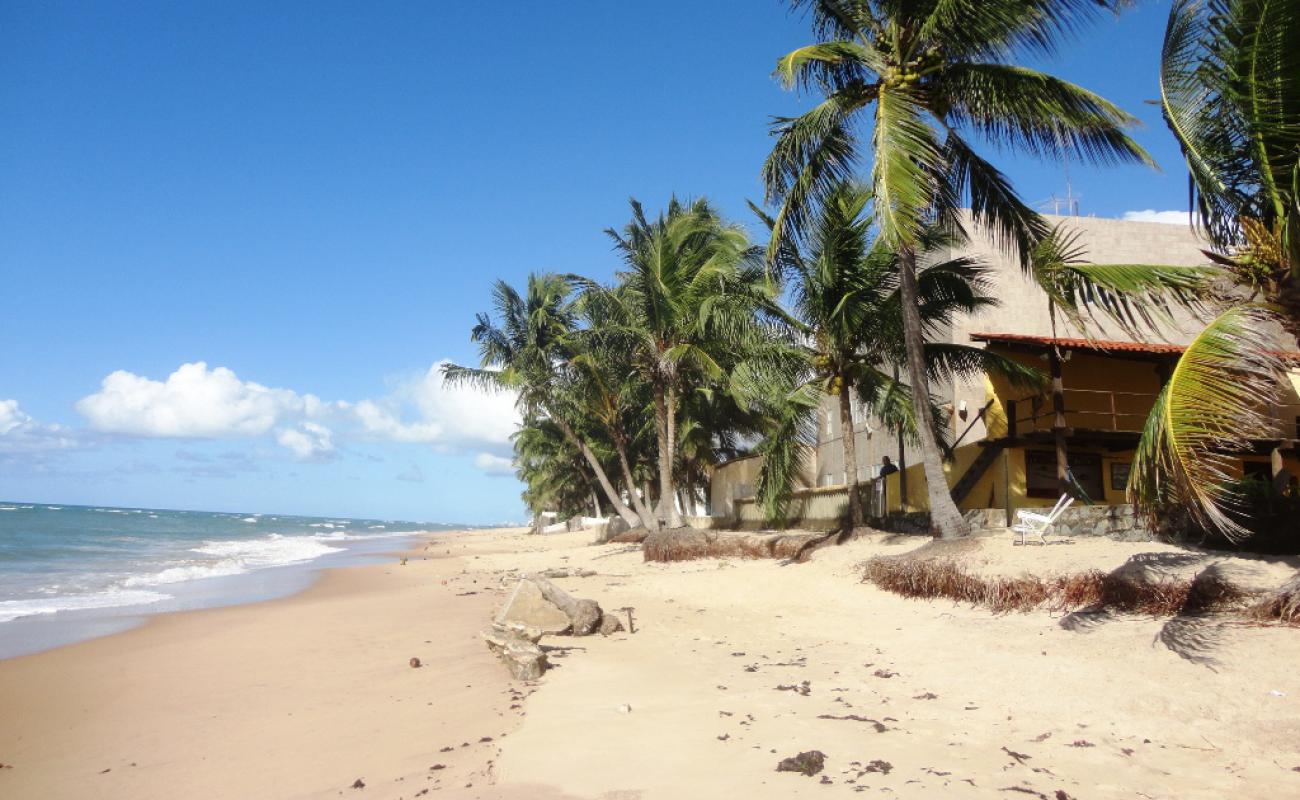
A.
pixel 734 665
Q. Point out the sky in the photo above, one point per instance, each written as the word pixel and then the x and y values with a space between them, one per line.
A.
pixel 237 239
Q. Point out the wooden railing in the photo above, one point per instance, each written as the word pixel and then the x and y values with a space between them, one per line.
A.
pixel 1107 410
pixel 1097 409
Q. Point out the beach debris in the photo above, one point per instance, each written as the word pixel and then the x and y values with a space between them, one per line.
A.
pixel 807 763
pixel 884 673
pixel 926 696
pixel 567 572
pixel 516 646
pixel 437 767
pixel 631 625
pixel 877 724
pixel 358 784
pixel 415 663
pixel 527 606
pixel 625 709
pixel 804 688
pixel 1082 743
pixel 584 615
pixel 1019 757
pixel 877 765
pixel 609 624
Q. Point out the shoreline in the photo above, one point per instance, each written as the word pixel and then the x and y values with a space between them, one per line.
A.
pixel 734 665
pixel 297 696
pixel 42 632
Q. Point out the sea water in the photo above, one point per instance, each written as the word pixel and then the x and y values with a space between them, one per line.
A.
pixel 73 572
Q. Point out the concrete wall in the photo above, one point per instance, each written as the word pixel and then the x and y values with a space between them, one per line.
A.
pixel 737 478
pixel 809 509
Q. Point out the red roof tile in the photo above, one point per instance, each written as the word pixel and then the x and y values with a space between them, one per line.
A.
pixel 1098 345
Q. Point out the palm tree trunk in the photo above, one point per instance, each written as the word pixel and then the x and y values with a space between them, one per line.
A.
pixel 1058 408
pixel 665 428
pixel 850 446
pixel 595 503
pixel 641 504
pixel 902 471
pixel 628 515
pixel 945 520
pixel 1058 420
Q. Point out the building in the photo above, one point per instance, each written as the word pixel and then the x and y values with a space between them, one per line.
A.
pixel 1003 453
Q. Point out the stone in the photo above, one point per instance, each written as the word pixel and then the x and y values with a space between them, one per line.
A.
pixel 614 527
pixel 525 660
pixel 527 606
pixel 609 624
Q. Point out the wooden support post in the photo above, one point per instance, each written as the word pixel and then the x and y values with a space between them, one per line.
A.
pixel 1058 420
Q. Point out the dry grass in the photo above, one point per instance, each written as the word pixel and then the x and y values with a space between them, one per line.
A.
pixel 688 544
pixel 940 577
pixel 1282 605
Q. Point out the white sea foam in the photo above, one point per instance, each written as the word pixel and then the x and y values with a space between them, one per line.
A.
pixel 249 519
pixel 188 572
pixel 113 598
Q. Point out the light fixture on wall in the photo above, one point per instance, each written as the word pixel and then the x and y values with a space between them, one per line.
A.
pixel 961 410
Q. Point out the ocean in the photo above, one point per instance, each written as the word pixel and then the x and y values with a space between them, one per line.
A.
pixel 73 572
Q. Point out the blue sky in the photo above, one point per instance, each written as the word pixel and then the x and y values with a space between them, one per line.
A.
pixel 312 199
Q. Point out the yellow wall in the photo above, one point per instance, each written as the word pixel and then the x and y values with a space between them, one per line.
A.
pixel 1091 382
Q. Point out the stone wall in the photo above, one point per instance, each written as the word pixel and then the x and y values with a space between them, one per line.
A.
pixel 1116 522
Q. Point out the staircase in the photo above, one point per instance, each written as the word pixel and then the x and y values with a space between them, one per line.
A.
pixel 981 464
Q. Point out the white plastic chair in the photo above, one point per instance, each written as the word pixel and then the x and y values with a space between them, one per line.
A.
pixel 1032 524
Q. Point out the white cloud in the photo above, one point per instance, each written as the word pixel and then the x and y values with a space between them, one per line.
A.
pixel 1151 215
pixel 194 402
pixel 494 465
pixel 423 409
pixel 20 433
pixel 310 440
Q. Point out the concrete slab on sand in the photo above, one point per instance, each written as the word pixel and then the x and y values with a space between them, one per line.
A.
pixel 527 606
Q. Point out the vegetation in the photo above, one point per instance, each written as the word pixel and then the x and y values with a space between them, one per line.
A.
pixel 707 345
pixel 1230 88
pixel 928 76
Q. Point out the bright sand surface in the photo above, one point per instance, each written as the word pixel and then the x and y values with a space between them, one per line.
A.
pixel 300 697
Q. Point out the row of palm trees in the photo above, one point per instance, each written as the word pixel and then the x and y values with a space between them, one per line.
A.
pixel 690 355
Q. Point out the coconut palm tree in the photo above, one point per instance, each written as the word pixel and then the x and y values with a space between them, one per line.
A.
pixel 1230 89
pixel 555 475
pixel 922 78
pixel 525 352
pixel 686 300
pixel 846 307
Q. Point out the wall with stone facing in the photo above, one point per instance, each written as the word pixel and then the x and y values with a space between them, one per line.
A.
pixel 1116 522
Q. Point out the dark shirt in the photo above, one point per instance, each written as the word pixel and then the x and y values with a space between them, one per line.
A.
pixel 888 469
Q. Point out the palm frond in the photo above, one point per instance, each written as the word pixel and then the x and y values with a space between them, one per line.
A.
pixel 1217 400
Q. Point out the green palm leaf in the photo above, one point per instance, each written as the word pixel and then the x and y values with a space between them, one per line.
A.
pixel 1217 400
